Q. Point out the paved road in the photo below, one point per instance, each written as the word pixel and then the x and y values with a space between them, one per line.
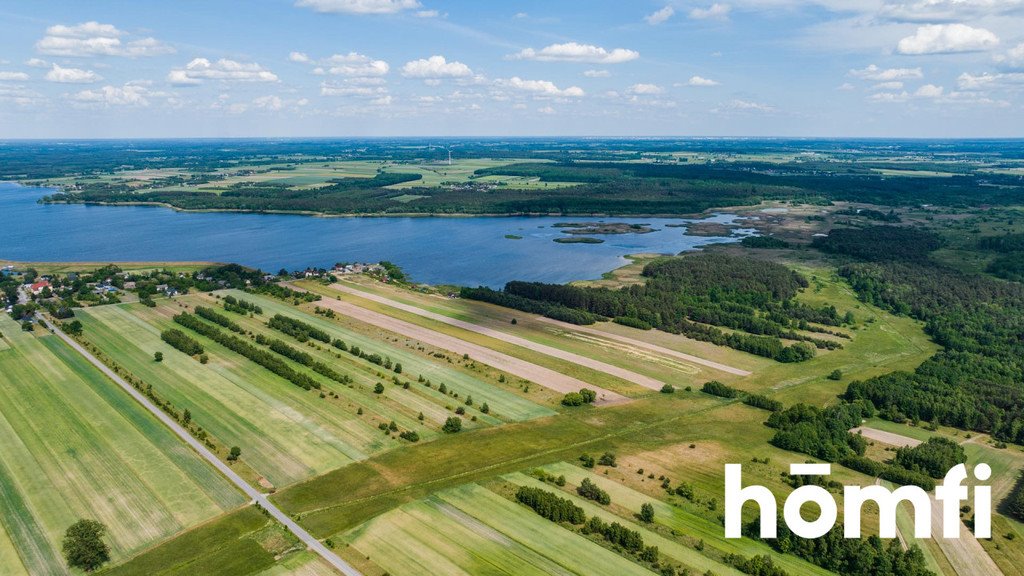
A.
pixel 627 375
pixel 258 497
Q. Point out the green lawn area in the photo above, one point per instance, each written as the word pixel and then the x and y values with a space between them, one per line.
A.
pixel 76 446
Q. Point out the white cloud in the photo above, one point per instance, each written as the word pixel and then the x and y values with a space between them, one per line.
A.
pixel 12 76
pixel 947 38
pixel 335 89
pixel 929 91
pixel 932 11
pixel 300 57
pixel 575 52
pixel 37 63
pixel 272 103
pixel 435 67
pixel 354 64
pixel 201 69
pixel 877 74
pixel 987 80
pixel 743 106
pixel 889 97
pixel 546 110
pixel 428 14
pixel 542 87
pixel 128 95
pixel 701 81
pixel 95 39
pixel 894 85
pixel 72 75
pixel 596 73
pixel 645 89
pixel 660 16
pixel 714 12
pixel 359 6
pixel 846 87
pixel 1013 58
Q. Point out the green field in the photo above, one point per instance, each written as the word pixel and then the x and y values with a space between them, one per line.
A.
pixel 288 434
pixel 75 446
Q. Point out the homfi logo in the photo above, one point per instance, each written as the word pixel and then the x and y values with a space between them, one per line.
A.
pixel 949 494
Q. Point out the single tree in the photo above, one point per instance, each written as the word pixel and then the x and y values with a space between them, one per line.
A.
pixel 647 513
pixel 158 356
pixel 234 454
pixel 84 547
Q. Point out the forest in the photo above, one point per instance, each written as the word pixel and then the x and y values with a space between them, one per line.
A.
pixel 697 296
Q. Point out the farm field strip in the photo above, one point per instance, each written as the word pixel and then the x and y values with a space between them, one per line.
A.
pixel 75 446
pixel 471 530
pixel 890 438
pixel 287 434
pixel 683 522
pixel 521 368
pixel 648 346
pixel 505 404
pixel 628 375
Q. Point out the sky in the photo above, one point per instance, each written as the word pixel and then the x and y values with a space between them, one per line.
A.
pixel 357 68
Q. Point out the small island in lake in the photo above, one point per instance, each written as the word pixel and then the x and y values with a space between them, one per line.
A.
pixel 513 237
pixel 579 240
pixel 603 228
pixel 710 229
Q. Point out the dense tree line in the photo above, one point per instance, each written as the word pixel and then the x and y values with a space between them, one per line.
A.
pixel 302 358
pixel 261 357
pixel 716 388
pixel 592 491
pixel 763 402
pixel 285 293
pixel 218 318
pixel 934 457
pixel 550 506
pixel 181 341
pixel 847 556
pixel 1014 503
pixel 240 306
pixel 820 432
pixel 298 329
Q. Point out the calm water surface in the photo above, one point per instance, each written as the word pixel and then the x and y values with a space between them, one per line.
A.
pixel 466 251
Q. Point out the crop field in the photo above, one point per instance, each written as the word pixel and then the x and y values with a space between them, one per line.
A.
pixel 75 446
pixel 286 433
pixel 472 530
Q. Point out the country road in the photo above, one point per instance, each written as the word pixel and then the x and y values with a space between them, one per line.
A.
pixel 257 496
pixel 627 375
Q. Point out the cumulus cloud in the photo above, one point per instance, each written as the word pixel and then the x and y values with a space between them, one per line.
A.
pixel 541 87
pixel 130 94
pixel 701 81
pixel 1013 58
pixel 933 11
pixel 37 63
pixel 546 110
pixel 988 80
pixel 929 91
pixel 359 6
pixel 96 39
pixel 72 75
pixel 272 103
pixel 596 73
pixel 201 69
pixel 575 52
pixel 336 89
pixel 645 89
pixel 660 16
pixel 895 85
pixel 435 67
pixel 714 12
pixel 299 57
pixel 13 76
pixel 877 74
pixel 947 38
pixel 427 14
pixel 354 64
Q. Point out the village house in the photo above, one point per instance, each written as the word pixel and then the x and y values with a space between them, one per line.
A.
pixel 37 288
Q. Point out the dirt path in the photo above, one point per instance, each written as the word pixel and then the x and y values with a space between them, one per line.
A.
pixel 890 438
pixel 965 553
pixel 521 368
pixel 647 346
pixel 627 375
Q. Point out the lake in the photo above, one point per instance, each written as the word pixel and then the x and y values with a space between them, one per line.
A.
pixel 435 250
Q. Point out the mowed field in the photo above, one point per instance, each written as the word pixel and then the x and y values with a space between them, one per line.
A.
pixel 480 529
pixel 286 433
pixel 75 446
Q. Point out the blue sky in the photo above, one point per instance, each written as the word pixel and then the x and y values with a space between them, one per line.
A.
pixel 914 68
